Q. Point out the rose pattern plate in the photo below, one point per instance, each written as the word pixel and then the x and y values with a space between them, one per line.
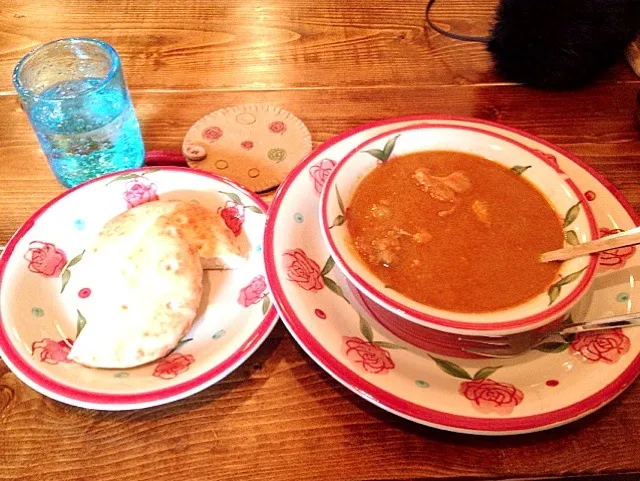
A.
pixel 45 293
pixel 548 387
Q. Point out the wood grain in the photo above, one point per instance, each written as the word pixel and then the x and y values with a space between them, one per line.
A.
pixel 257 45
pixel 335 64
pixel 279 417
pixel 596 124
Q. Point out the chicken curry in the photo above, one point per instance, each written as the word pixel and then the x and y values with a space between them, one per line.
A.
pixel 455 231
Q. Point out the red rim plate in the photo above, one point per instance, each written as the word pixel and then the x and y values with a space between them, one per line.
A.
pixel 92 399
pixel 391 402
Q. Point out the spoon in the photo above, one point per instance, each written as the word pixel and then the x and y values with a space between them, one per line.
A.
pixel 622 239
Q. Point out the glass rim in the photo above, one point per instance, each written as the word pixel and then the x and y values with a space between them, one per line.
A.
pixel 113 68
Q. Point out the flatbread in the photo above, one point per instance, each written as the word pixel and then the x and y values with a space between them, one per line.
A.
pixel 217 245
pixel 146 283
pixel 145 271
pixel 206 230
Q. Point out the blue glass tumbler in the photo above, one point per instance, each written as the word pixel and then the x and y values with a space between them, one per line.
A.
pixel 77 101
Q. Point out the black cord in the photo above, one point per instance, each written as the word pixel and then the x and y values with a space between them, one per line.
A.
pixel 465 38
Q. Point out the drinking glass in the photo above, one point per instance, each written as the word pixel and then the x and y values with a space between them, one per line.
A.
pixel 77 101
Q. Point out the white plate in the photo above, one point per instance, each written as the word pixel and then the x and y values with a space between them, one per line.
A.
pixel 45 294
pixel 533 392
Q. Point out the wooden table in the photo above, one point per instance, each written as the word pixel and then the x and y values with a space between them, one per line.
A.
pixel 335 64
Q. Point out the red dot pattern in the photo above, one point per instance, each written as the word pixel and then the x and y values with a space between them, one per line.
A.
pixel 84 293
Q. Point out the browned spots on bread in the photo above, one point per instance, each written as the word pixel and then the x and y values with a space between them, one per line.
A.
pixel 137 250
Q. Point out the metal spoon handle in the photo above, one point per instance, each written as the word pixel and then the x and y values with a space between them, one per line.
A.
pixel 625 320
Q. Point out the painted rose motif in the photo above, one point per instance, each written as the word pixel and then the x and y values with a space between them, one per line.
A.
pixel 371 358
pixel 614 258
pixel 233 216
pixel 44 258
pixel 320 173
pixel 548 157
pixel 254 292
pixel 247 145
pixel 172 365
pixel 139 191
pixel 487 395
pixel 212 133
pixel 605 346
pixel 52 352
pixel 302 270
pixel 277 127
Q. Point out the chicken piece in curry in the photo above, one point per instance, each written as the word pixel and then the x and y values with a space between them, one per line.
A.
pixel 455 231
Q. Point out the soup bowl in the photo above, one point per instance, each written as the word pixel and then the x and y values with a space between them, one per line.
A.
pixel 538 312
pixel 440 342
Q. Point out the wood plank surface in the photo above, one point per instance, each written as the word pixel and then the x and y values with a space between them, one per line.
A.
pixel 257 45
pixel 335 64
pixel 279 417
pixel 596 124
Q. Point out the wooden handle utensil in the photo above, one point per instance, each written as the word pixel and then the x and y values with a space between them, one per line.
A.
pixel 622 239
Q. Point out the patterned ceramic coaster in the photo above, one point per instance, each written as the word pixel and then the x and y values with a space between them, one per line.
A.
pixel 255 145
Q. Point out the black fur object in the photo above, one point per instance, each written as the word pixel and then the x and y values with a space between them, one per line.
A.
pixel 561 44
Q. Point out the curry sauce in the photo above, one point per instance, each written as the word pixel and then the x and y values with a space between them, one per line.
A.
pixel 455 231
